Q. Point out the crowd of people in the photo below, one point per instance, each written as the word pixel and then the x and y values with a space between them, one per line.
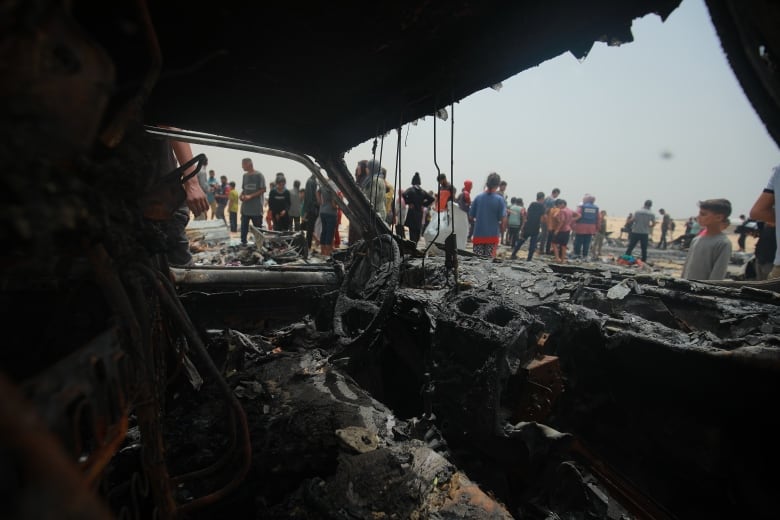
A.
pixel 313 208
pixel 548 225
pixel 283 210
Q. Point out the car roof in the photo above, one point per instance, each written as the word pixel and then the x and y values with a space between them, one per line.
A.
pixel 326 76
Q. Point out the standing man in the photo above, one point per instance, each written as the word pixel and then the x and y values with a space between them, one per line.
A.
pixel 311 209
pixel 516 213
pixel 502 189
pixel 767 211
pixel 766 246
pixel 444 193
pixel 416 200
pixel 641 225
pixel 586 225
pixel 601 235
pixel 743 232
pixel 222 194
pixel 545 242
pixel 530 227
pixel 488 210
pixel 252 190
pixel 561 229
pixel 326 197
pixel 295 205
pixel 375 188
pixel 464 203
pixel 211 193
pixel 666 222
pixel 502 192
pixel 279 204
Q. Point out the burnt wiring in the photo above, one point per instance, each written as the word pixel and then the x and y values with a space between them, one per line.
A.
pixel 370 180
pixel 438 198
pixel 240 446
pixel 451 242
pixel 395 209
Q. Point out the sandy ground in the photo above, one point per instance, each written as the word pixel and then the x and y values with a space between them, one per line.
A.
pixel 615 223
pixel 664 261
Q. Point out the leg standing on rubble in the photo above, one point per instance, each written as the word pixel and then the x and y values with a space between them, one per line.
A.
pixel 327 195
pixel 665 225
pixel 311 209
pixel 586 226
pixel 233 207
pixel 295 205
pixel 279 201
pixel 601 235
pixel 641 224
pixel 252 190
pixel 530 228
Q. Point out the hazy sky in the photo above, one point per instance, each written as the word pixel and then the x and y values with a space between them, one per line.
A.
pixel 599 126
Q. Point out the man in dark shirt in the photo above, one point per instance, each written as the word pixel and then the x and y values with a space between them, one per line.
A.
pixel 279 204
pixel 252 192
pixel 416 200
pixel 530 229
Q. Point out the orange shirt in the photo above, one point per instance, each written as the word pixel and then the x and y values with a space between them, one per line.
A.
pixel 444 198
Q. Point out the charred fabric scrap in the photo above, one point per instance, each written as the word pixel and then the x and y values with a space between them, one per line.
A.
pixel 520 392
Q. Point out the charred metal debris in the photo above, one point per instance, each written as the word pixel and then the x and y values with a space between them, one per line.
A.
pixel 381 388
pixel 373 385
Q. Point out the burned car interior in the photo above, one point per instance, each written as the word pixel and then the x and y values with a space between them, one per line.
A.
pixel 382 383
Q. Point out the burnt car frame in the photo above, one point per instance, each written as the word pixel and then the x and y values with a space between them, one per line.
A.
pixel 104 338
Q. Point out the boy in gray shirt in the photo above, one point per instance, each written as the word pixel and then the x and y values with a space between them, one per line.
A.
pixel 709 254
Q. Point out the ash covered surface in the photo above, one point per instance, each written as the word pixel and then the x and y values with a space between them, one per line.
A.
pixel 516 391
pixel 509 390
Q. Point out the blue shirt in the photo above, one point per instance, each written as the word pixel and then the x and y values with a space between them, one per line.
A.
pixel 488 209
pixel 589 213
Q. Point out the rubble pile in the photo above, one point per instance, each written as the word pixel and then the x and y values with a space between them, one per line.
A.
pixel 515 390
